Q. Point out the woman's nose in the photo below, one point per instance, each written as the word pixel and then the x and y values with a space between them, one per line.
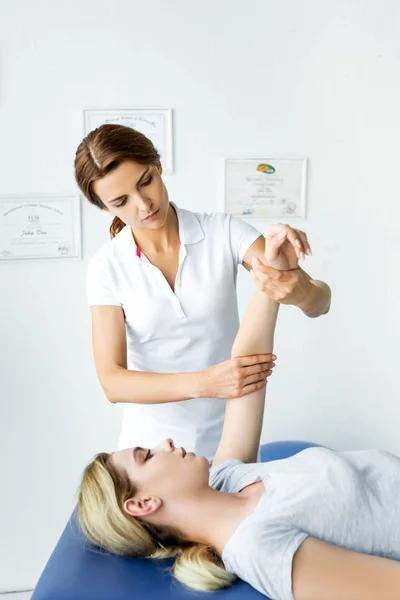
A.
pixel 169 444
pixel 143 204
pixel 166 446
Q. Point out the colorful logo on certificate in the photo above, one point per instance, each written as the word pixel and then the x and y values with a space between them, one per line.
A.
pixel 267 169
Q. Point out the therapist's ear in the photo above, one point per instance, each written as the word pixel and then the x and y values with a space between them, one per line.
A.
pixel 105 208
pixel 142 506
pixel 159 167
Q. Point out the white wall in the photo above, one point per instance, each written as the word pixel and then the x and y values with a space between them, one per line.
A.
pixel 311 78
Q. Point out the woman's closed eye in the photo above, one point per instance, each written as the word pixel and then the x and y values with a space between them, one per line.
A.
pixel 148 455
pixel 121 203
pixel 143 184
pixel 147 182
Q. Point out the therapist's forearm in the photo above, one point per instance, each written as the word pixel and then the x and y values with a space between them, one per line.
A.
pixel 141 387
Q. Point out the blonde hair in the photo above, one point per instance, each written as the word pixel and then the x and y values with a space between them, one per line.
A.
pixel 103 520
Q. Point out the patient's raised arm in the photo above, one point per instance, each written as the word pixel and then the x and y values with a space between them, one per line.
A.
pixel 243 416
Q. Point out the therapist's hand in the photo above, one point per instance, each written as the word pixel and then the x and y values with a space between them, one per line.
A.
pixel 236 377
pixel 277 272
pixel 286 287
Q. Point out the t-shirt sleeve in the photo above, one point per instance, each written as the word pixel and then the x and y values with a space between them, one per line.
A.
pixel 267 562
pixel 241 236
pixel 222 476
pixel 101 287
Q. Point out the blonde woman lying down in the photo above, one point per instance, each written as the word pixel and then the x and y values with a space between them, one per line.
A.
pixel 321 525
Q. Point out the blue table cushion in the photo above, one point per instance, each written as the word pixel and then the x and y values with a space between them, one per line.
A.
pixel 77 570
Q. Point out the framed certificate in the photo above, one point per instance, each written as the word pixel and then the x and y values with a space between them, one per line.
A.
pixel 266 188
pixel 38 227
pixel 154 123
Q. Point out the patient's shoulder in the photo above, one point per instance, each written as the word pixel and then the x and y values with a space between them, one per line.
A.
pixel 233 475
pixel 223 474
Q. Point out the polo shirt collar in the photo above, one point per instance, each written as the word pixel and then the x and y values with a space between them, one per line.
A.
pixel 190 232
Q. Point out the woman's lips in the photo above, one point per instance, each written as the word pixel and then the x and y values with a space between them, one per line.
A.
pixel 152 216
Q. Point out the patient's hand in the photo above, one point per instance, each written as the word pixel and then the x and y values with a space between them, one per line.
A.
pixel 284 247
pixel 277 273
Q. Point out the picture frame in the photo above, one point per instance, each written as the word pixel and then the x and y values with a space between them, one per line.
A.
pixel 154 123
pixel 35 227
pixel 266 187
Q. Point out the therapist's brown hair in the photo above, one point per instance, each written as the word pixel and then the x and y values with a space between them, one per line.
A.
pixel 102 150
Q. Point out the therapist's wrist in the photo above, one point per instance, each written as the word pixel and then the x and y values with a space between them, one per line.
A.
pixel 317 301
pixel 199 384
pixel 185 386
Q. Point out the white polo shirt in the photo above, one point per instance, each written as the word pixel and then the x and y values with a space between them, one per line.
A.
pixel 187 330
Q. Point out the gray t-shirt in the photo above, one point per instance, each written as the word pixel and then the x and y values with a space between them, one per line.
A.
pixel 350 499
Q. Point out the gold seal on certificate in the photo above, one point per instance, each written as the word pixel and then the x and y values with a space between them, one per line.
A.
pixel 39 227
pixel 266 188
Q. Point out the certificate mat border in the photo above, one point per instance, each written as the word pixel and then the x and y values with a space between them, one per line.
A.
pixel 168 165
pixel 77 225
pixel 303 197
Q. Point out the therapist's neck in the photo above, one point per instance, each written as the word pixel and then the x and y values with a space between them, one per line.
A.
pixel 163 239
